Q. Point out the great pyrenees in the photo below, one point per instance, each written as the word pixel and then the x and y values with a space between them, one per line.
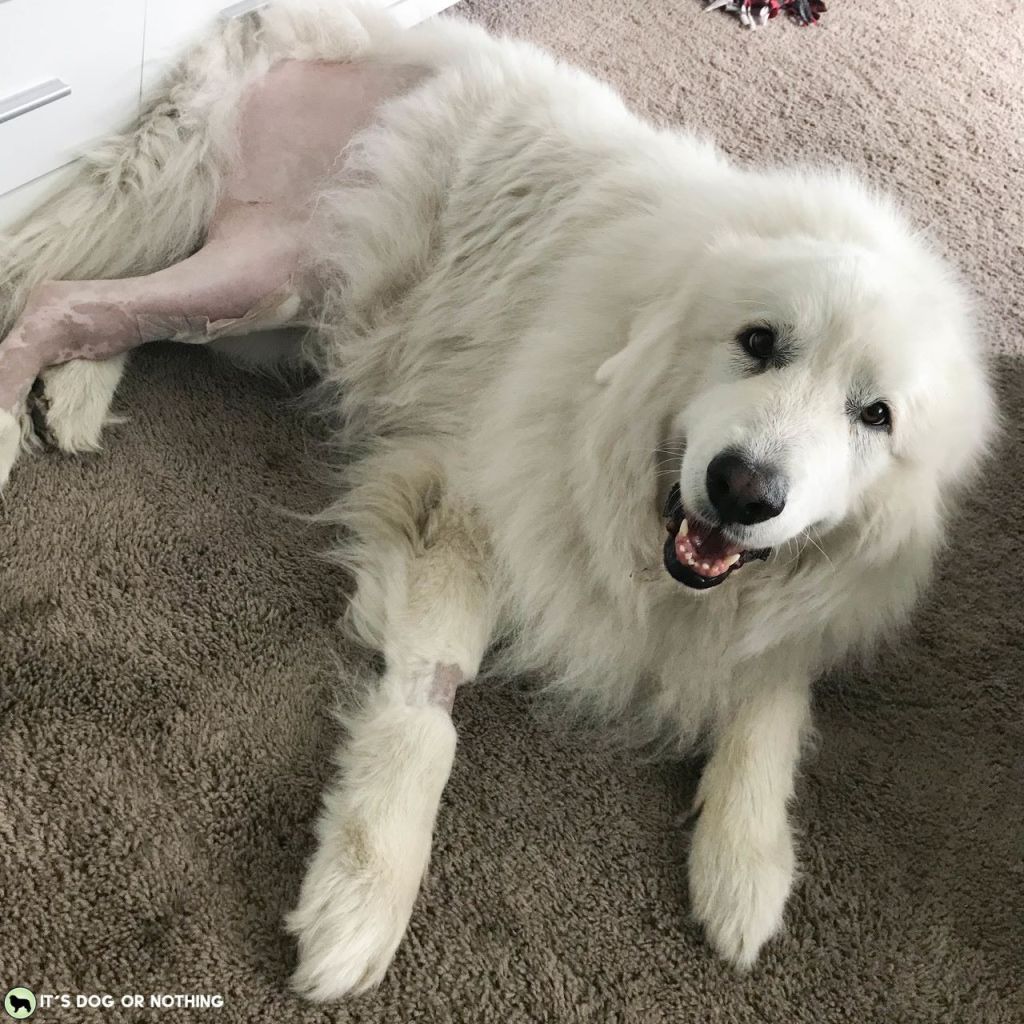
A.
pixel 547 330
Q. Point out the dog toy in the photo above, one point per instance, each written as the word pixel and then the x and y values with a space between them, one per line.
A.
pixel 755 13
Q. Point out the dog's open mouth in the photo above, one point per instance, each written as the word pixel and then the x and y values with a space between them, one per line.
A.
pixel 699 555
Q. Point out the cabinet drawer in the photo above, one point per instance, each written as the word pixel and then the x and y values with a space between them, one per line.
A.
pixel 69 74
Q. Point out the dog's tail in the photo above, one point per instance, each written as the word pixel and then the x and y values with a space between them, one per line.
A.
pixel 143 199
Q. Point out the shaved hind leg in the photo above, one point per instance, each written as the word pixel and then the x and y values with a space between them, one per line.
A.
pixel 293 126
pixel 244 279
pixel 247 277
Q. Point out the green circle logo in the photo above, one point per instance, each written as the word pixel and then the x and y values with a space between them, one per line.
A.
pixel 20 1003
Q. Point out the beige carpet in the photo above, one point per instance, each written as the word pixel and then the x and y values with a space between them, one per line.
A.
pixel 166 652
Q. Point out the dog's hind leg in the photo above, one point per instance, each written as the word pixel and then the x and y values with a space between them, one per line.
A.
pixel 377 823
pixel 293 124
pixel 139 203
pixel 243 278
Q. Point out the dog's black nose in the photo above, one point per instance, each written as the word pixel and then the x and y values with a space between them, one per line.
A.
pixel 743 492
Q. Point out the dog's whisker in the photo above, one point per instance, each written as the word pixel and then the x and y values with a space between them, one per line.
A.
pixel 824 553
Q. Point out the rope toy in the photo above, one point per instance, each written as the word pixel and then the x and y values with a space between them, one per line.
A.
pixel 755 13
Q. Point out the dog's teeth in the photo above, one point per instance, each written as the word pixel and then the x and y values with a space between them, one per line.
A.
pixel 732 560
pixel 684 529
pixel 705 565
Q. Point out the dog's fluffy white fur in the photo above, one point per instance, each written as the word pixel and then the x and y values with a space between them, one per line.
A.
pixel 529 331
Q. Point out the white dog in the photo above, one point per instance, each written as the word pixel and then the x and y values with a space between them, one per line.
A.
pixel 545 328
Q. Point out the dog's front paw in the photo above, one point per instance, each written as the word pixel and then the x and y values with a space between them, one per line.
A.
pixel 353 910
pixel 739 883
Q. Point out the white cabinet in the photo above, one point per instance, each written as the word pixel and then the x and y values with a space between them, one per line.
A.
pixel 72 71
pixel 69 71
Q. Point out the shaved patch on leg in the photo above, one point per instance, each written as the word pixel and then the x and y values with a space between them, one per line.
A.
pixel 447 679
pixel 425 686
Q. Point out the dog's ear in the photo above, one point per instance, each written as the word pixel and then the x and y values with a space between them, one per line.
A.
pixel 647 329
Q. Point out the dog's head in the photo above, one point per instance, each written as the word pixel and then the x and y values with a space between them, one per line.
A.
pixel 817 383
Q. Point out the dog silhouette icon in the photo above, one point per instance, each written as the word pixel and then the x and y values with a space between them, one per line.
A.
pixel 20 1003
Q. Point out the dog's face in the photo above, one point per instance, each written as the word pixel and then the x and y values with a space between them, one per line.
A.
pixel 824 383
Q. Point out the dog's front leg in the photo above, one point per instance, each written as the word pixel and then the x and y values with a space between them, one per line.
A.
pixel 741 859
pixel 376 827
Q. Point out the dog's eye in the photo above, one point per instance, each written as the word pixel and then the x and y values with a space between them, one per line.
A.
pixel 758 342
pixel 876 415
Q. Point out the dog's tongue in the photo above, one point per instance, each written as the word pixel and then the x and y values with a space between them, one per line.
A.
pixel 710 542
pixel 705 550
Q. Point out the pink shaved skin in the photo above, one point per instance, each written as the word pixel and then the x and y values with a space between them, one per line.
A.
pixel 447 679
pixel 248 275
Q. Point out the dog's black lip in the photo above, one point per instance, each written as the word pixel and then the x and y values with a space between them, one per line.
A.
pixel 683 573
pixel 674 504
